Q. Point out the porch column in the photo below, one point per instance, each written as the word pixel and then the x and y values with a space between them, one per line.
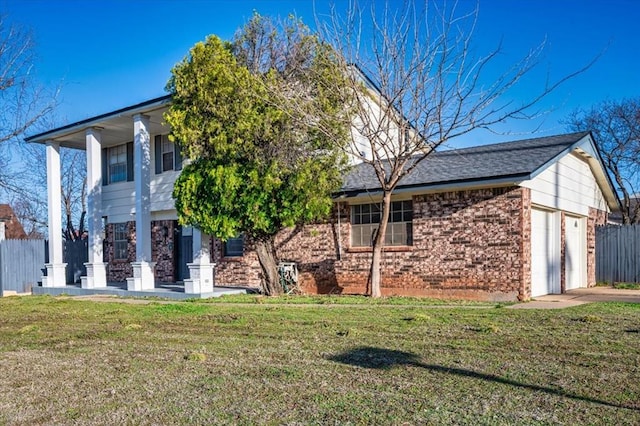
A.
pixel 56 276
pixel 143 278
pixel 96 270
pixel 201 270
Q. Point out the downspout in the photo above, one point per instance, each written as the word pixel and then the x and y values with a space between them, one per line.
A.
pixel 339 235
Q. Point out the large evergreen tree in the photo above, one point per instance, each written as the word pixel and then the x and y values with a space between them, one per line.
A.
pixel 254 167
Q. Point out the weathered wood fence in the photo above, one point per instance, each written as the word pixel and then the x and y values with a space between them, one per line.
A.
pixel 618 253
pixel 21 263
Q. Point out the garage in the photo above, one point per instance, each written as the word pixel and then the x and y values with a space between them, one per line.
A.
pixel 575 252
pixel 545 252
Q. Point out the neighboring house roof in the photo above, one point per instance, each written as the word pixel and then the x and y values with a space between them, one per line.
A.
pixel 496 164
pixel 13 228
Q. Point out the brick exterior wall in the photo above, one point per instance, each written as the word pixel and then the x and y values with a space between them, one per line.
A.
pixel 119 270
pixel 163 251
pixel 164 234
pixel 466 244
pixel 596 218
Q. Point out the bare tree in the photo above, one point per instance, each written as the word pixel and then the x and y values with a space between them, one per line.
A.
pixel 616 128
pixel 417 84
pixel 73 189
pixel 23 104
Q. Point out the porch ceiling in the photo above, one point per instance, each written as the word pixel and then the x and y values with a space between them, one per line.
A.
pixel 117 126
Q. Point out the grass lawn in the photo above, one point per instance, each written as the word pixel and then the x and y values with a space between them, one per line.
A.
pixel 78 362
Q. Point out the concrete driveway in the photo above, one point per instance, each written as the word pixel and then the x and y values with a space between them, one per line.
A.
pixel 579 297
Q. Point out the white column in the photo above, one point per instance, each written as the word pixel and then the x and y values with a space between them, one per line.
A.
pixel 143 278
pixel 55 268
pixel 96 270
pixel 201 270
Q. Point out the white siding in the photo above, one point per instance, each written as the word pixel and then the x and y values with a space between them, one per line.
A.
pixel 567 185
pixel 161 190
pixel 118 199
pixel 118 202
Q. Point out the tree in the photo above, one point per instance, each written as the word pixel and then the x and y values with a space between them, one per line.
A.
pixel 416 85
pixel 253 168
pixel 616 128
pixel 23 103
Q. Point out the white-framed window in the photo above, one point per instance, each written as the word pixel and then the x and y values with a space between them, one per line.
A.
pixel 167 154
pixel 365 219
pixel 120 241
pixel 118 163
pixel 234 247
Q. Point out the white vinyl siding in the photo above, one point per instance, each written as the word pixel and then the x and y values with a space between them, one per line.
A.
pixel 567 185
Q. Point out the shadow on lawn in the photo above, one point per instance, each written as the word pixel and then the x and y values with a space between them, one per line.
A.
pixel 380 358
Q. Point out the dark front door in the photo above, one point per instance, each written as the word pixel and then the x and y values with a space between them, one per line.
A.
pixel 184 255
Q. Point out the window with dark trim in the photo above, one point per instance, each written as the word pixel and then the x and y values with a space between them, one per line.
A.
pixel 365 219
pixel 118 164
pixel 167 153
pixel 234 247
pixel 120 241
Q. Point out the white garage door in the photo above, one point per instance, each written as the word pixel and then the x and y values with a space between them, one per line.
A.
pixel 545 253
pixel 575 252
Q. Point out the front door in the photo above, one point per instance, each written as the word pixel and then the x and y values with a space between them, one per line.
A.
pixel 184 255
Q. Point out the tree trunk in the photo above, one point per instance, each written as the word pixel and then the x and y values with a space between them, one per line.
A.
pixel 266 251
pixel 378 245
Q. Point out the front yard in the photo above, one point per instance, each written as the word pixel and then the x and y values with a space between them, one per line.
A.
pixel 79 362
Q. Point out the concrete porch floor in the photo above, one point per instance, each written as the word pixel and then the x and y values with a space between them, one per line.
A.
pixel 162 290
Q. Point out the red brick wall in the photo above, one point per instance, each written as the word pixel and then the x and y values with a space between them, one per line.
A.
pixel 596 218
pixel 163 251
pixel 466 244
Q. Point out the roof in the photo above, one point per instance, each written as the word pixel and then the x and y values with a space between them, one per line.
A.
pixel 507 163
pixel 116 125
pixel 511 160
pixel 13 227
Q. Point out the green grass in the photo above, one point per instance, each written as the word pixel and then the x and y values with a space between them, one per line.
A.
pixel 339 300
pixel 627 286
pixel 78 362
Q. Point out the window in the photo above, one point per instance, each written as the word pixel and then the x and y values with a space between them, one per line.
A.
pixel 366 217
pixel 120 241
pixel 234 247
pixel 167 155
pixel 118 164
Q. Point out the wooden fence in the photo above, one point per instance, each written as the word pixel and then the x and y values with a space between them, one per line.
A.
pixel 21 263
pixel 618 253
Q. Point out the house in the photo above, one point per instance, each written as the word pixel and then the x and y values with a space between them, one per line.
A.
pixel 10 226
pixel 497 222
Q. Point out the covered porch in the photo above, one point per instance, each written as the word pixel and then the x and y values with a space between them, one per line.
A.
pixel 126 198
pixel 163 290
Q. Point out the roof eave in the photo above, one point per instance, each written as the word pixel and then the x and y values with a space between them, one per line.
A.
pixel 458 185
pixel 142 107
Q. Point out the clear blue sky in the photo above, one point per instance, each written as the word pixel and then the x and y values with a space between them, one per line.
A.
pixel 111 54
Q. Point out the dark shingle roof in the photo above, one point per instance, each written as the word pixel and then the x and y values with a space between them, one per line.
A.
pixel 487 162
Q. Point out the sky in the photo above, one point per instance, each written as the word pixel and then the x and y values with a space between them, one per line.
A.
pixel 106 55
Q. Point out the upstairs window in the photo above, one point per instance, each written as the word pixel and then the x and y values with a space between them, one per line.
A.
pixel 118 164
pixel 167 155
pixel 365 219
